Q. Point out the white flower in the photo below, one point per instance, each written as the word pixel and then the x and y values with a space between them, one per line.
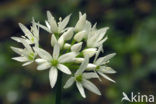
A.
pixel 27 55
pixel 96 37
pixel 82 80
pixel 81 22
pixel 101 67
pixel 53 26
pixel 32 37
pixel 54 62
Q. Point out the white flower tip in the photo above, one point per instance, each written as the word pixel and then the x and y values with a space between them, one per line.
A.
pixel 67 46
pixel 48 12
pixel 113 54
pixel 76 47
pixel 20 24
pixel 99 93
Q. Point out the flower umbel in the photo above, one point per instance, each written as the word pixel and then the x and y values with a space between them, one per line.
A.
pixel 72 48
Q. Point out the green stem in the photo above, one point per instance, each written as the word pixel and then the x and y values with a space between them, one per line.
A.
pixel 58 88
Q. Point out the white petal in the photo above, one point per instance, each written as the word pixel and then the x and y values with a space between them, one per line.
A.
pixel 26 31
pixel 47 25
pixel 24 42
pixel 53 40
pixel 81 23
pixel 97 44
pixel 17 50
pixel 102 33
pixel 44 27
pixel 81 89
pixel 68 57
pixel 98 52
pixel 90 52
pixel 83 66
pixel 64 23
pixel 105 76
pixel 76 47
pixel 39 61
pixel 27 45
pixel 92 40
pixel 104 59
pixel 43 66
pixel 17 39
pixel 53 73
pixel 56 51
pixel 27 63
pixel 79 36
pixel 35 29
pixel 21 59
pixel 107 70
pixel 69 82
pixel 61 41
pixel 64 69
pixel 52 22
pixel 90 75
pixel 91 87
pixel 43 54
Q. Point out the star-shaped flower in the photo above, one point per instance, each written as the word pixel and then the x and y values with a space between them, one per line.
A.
pixel 31 36
pixel 82 79
pixel 27 55
pixel 52 26
pixel 54 62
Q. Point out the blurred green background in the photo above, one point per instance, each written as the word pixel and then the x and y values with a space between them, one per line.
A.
pixel 132 35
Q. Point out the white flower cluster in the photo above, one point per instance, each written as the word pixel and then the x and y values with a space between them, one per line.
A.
pixel 72 47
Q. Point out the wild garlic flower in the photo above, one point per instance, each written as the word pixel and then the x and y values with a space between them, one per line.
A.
pixel 31 36
pixel 54 62
pixel 27 55
pixel 82 79
pixel 52 26
pixel 71 47
pixel 101 67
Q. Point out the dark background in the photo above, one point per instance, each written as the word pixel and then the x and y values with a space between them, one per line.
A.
pixel 132 35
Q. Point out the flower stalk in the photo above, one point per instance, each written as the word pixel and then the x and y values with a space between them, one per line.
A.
pixel 58 89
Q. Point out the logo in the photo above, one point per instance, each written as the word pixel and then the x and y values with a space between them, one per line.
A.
pixel 137 97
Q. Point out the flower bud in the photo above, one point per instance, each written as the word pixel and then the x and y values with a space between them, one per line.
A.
pixel 80 35
pixel 68 34
pixel 76 47
pixel 91 66
pixel 78 60
pixel 81 23
pixel 53 40
pixel 67 46
pixel 61 41
pixel 90 52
